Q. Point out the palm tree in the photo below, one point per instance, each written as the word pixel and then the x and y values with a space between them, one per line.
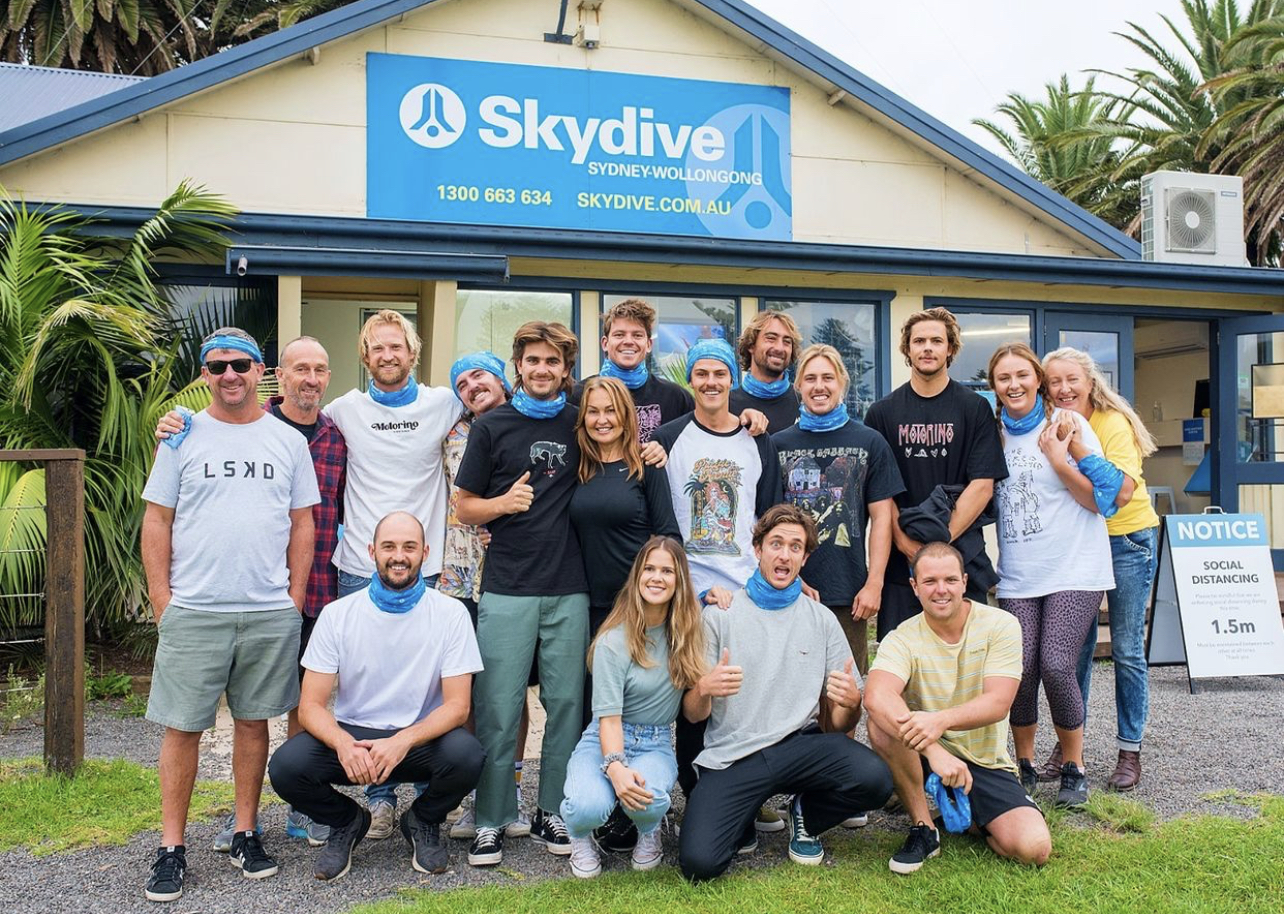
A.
pixel 88 360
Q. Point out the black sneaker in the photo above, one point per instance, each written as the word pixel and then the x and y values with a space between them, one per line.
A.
pixel 487 848
pixel 166 880
pixel 748 840
pixel 1029 776
pixel 923 843
pixel 1074 786
pixel 335 858
pixel 427 853
pixel 618 835
pixel 549 830
pixel 249 855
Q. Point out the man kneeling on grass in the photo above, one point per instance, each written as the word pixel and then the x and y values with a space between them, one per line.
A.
pixel 782 675
pixel 404 657
pixel 938 697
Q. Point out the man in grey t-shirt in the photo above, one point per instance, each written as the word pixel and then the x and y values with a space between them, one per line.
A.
pixel 227 547
pixel 780 697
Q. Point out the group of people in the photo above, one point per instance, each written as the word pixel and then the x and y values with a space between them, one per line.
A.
pixel 686 574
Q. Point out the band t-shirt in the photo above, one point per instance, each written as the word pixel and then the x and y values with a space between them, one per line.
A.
pixel 781 411
pixel 232 487
pixel 390 665
pixel 641 695
pixel 834 476
pixel 535 552
pixel 657 401
pixel 394 464
pixel 720 483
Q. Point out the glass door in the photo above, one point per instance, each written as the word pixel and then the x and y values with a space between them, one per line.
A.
pixel 1105 337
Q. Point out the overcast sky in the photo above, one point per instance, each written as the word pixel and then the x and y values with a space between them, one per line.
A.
pixel 957 59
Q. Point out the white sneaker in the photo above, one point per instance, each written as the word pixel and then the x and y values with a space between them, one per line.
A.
pixel 519 827
pixel 647 853
pixel 585 861
pixel 383 819
pixel 860 820
pixel 465 826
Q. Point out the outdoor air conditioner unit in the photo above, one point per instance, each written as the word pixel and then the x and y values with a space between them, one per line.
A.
pixel 1193 218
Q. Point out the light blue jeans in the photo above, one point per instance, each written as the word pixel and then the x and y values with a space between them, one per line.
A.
pixel 1135 559
pixel 589 799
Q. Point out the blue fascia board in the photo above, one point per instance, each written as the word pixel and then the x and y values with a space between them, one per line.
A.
pixel 276 260
pixel 177 84
pixel 362 235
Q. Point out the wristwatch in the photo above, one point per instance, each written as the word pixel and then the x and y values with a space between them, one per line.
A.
pixel 610 759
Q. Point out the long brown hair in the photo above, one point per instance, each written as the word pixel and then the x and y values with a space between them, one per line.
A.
pixel 590 450
pixel 556 335
pixel 749 337
pixel 1021 351
pixel 683 626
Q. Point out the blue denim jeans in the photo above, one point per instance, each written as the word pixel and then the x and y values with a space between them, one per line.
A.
pixel 589 799
pixel 1135 560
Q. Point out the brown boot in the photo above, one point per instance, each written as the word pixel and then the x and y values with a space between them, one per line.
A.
pixel 1051 770
pixel 1127 772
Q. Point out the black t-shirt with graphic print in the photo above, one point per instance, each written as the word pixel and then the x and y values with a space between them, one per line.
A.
pixel 657 401
pixel 536 552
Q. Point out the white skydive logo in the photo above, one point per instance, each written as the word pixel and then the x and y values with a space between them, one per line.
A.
pixel 432 115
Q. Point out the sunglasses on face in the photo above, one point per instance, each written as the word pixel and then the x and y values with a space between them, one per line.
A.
pixel 216 367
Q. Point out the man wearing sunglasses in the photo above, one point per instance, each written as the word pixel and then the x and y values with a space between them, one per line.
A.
pixel 227 540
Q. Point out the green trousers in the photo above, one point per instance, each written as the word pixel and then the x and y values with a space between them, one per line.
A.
pixel 509 632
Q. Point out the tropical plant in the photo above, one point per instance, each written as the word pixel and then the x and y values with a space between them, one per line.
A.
pixel 87 360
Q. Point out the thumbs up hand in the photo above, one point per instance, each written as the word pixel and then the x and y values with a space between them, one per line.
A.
pixel 724 679
pixel 518 498
pixel 841 688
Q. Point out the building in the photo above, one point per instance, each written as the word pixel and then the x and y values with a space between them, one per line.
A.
pixel 475 164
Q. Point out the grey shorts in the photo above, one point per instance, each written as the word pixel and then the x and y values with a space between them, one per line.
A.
pixel 253 656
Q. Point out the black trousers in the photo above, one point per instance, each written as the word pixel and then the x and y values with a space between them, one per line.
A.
pixel 835 776
pixel 688 742
pixel 304 770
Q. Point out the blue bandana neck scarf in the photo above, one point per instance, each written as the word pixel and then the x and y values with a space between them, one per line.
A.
pixel 528 406
pixel 396 601
pixel 632 378
pixel 768 597
pixel 403 397
pixel 1027 423
pixel 764 391
pixel 810 422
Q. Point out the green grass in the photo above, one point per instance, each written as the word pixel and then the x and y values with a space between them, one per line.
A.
pixel 1204 865
pixel 108 802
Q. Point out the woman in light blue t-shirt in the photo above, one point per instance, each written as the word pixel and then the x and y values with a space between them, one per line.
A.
pixel 648 651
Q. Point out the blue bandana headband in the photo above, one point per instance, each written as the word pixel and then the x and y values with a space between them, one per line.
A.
pixel 632 378
pixel 768 597
pixel 485 360
pixel 810 422
pixel 714 349
pixel 764 390
pixel 532 408
pixel 236 343
pixel 404 397
pixel 1027 423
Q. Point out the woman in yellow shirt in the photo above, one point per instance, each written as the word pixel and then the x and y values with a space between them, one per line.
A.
pixel 1075 382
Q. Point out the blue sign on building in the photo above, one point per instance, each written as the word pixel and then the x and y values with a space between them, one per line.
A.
pixel 504 144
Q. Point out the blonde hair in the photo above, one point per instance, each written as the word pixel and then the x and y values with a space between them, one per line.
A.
pixel 823 351
pixel 557 336
pixel 683 626
pixel 1021 351
pixel 1102 396
pixel 590 450
pixel 953 335
pixel 382 317
pixel 749 337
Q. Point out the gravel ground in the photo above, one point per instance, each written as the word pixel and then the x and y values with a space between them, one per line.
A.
pixel 1196 745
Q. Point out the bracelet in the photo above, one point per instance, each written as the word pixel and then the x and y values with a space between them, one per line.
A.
pixel 610 759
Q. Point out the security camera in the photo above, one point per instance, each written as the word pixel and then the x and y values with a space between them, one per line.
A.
pixel 242 266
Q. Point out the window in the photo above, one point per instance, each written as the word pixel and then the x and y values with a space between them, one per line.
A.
pixel 681 321
pixel 201 306
pixel 850 328
pixel 983 332
pixel 487 319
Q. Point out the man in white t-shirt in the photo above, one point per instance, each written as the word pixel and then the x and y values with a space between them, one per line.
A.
pixel 404 656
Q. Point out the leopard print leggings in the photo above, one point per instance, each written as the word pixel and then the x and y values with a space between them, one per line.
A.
pixel 1053 629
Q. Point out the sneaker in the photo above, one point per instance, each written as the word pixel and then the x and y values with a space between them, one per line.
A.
pixel 466 825
pixel 487 848
pixel 166 881
pixel 804 847
pixel 618 834
pixel 223 840
pixel 923 843
pixel 296 823
pixel 1029 776
pixel 549 830
pixel 1074 786
pixel 648 852
pixel 768 820
pixel 248 854
pixel 335 859
pixel 860 820
pixel 427 853
pixel 585 861
pixel 318 834
pixel 748 840
pixel 519 827
pixel 383 819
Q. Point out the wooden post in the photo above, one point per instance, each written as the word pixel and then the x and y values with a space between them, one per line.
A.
pixel 65 614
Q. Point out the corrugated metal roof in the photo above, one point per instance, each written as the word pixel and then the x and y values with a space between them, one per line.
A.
pixel 31 93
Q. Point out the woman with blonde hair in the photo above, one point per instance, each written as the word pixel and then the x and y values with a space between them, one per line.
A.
pixel 649 651
pixel 1076 383
pixel 1054 555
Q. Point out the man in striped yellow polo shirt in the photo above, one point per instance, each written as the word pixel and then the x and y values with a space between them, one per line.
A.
pixel 938 696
